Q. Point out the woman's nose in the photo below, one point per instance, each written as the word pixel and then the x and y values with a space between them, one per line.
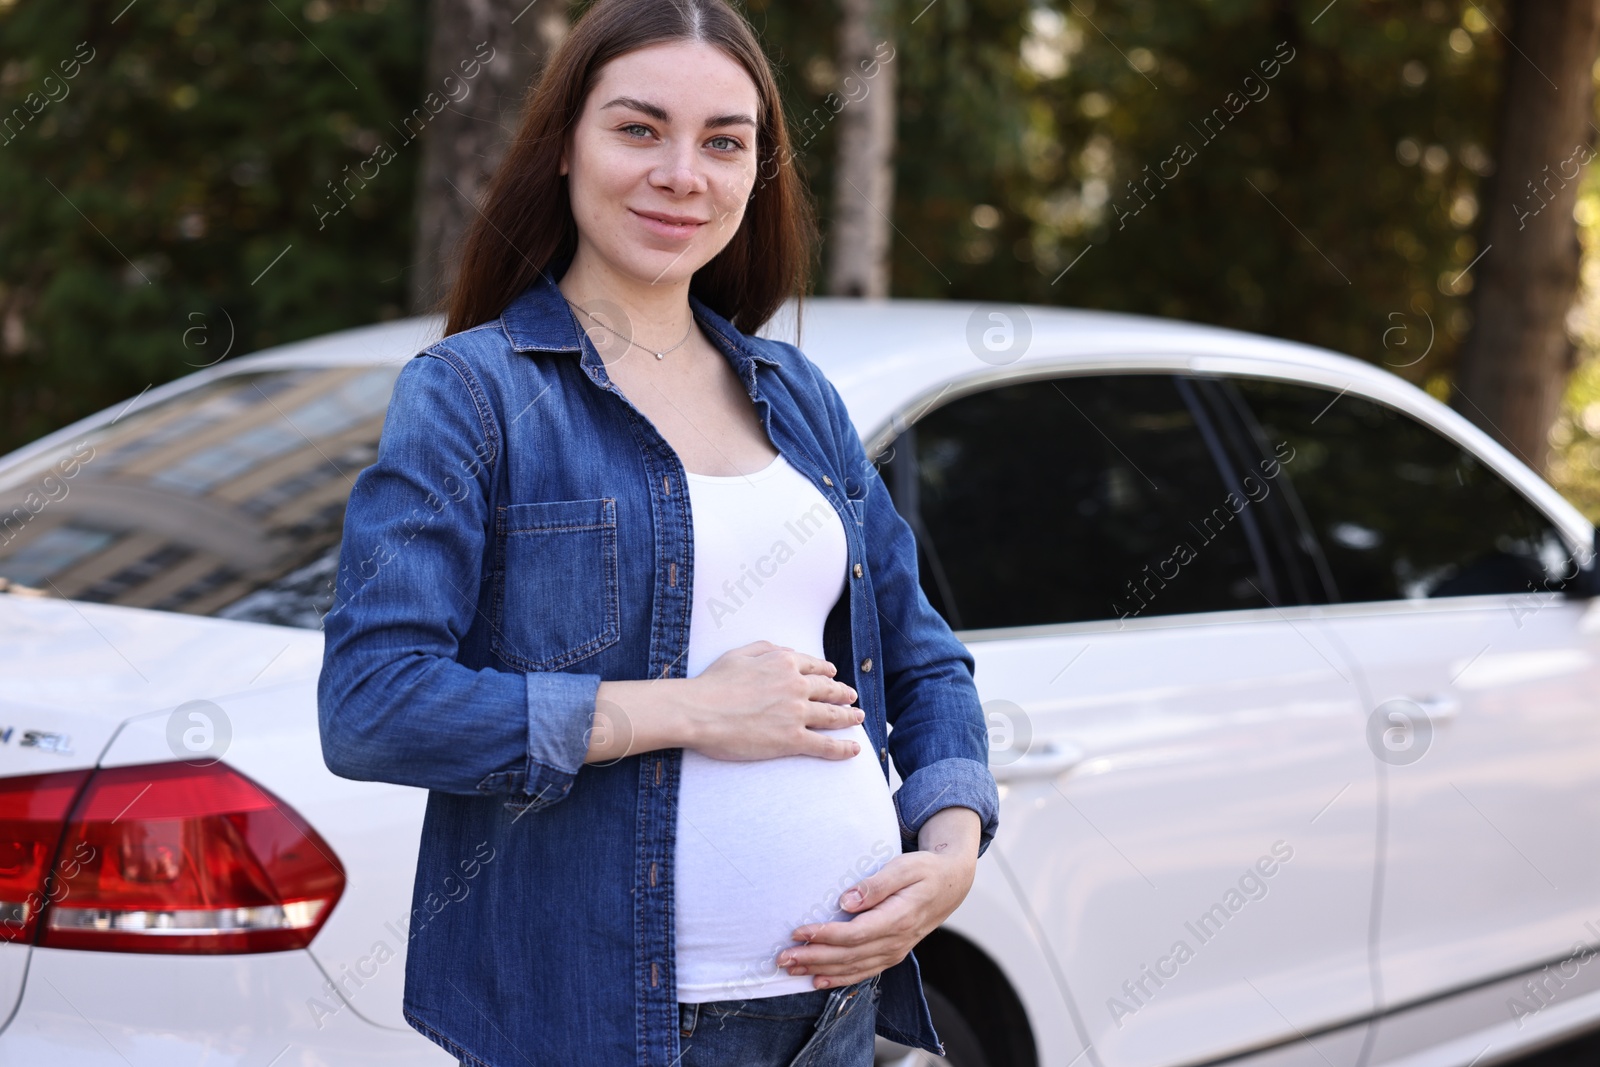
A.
pixel 678 171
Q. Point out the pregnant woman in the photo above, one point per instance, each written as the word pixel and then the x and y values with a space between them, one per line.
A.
pixel 623 592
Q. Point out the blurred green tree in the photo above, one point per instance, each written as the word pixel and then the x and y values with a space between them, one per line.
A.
pixel 209 180
pixel 1302 173
pixel 1326 189
pixel 1329 198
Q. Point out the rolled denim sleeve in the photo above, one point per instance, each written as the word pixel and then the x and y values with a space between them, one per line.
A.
pixel 394 702
pixel 940 738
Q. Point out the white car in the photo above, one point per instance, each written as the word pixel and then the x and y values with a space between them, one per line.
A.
pixel 1291 672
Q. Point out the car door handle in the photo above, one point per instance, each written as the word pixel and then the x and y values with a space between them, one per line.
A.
pixel 1041 761
pixel 1437 706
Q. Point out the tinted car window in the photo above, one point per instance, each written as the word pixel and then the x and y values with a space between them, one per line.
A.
pixel 226 500
pixel 1399 511
pixel 1072 499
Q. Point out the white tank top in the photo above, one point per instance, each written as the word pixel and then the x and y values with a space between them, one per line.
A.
pixel 764 846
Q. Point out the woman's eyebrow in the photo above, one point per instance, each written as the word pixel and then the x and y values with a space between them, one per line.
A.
pixel 657 113
pixel 660 113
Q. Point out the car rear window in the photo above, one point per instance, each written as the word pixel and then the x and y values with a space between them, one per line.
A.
pixel 227 500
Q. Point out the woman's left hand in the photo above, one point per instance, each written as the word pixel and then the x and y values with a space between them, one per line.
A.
pixel 897 906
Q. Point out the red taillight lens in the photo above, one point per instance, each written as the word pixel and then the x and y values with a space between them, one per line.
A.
pixel 166 857
pixel 33 812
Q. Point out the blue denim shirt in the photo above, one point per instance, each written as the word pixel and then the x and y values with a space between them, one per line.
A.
pixel 523 535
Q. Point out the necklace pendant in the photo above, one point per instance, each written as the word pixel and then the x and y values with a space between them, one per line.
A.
pixel 661 355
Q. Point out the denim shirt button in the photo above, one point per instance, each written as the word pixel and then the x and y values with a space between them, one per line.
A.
pixel 883 755
pixel 858 570
pixel 866 665
pixel 826 480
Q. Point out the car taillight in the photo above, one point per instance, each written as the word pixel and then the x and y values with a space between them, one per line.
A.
pixel 33 812
pixel 167 857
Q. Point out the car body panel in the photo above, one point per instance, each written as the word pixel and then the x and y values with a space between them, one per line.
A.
pixel 1487 864
pixel 96 665
pixel 1204 748
pixel 110 1009
pixel 995 917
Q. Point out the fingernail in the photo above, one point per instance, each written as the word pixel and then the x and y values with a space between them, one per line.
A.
pixel 851 899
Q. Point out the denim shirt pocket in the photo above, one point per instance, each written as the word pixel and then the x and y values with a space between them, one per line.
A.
pixel 557 596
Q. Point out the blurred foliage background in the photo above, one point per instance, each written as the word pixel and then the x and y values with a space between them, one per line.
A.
pixel 144 210
pixel 167 205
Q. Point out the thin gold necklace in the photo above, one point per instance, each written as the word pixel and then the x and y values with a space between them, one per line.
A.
pixel 659 355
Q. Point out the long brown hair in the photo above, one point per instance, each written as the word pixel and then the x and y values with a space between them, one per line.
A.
pixel 525 219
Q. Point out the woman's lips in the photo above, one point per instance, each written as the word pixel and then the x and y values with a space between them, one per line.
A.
pixel 674 230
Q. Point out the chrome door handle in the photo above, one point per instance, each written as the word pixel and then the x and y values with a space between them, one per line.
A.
pixel 1438 706
pixel 1047 759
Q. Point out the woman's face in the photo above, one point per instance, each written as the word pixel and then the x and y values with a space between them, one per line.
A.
pixel 662 160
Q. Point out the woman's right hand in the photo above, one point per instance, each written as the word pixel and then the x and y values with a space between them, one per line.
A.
pixel 764 700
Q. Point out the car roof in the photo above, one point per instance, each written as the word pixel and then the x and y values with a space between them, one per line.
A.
pixel 890 356
pixel 878 351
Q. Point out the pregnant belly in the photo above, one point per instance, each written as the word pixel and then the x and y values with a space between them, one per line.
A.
pixel 764 846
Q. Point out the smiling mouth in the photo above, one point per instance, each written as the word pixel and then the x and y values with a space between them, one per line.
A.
pixel 687 225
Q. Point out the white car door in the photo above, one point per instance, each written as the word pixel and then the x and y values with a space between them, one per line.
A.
pixel 1485 684
pixel 1188 802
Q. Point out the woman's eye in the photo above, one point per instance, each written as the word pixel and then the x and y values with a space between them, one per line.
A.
pixel 632 126
pixel 725 144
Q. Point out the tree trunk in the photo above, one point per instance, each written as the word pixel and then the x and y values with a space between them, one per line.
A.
pixel 863 188
pixel 1515 363
pixel 482 57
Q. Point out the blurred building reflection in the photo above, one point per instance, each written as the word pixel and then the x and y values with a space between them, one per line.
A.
pixel 226 500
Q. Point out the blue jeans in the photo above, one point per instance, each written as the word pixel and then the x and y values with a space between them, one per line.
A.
pixel 817 1028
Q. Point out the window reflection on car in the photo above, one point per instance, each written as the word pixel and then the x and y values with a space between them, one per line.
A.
pixel 227 500
pixel 1096 497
